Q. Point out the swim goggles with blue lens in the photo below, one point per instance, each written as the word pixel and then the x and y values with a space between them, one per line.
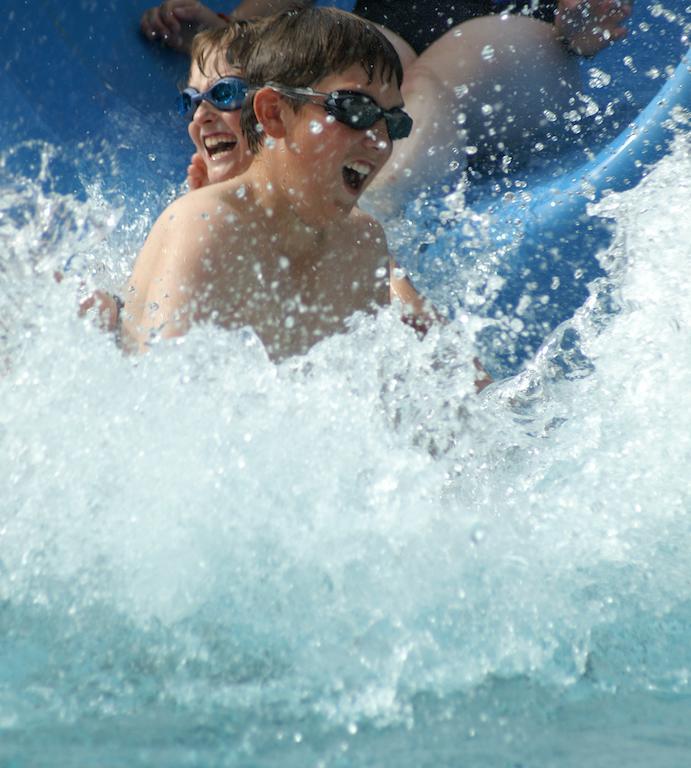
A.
pixel 226 94
pixel 354 109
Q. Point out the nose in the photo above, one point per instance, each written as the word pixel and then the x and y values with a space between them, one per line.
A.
pixel 203 113
pixel 378 136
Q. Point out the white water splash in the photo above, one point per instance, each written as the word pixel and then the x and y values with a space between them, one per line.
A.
pixel 345 533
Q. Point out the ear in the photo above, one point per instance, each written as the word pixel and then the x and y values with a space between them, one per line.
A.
pixel 269 108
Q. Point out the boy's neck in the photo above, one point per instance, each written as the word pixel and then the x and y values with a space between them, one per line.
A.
pixel 293 221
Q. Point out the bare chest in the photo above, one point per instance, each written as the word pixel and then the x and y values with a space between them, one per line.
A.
pixel 294 300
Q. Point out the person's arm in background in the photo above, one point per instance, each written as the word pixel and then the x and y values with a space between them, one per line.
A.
pixel 588 26
pixel 248 9
pixel 175 22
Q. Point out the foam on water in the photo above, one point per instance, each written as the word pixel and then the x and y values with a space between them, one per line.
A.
pixel 292 560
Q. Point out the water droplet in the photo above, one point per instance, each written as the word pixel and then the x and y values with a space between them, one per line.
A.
pixel 598 78
pixel 487 53
pixel 487 109
pixel 316 127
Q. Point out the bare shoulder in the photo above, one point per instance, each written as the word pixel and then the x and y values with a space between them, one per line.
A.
pixel 367 230
pixel 367 226
pixel 200 224
pixel 185 255
pixel 200 212
pixel 186 244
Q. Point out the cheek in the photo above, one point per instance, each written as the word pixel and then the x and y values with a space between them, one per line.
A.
pixel 231 121
pixel 193 132
pixel 327 138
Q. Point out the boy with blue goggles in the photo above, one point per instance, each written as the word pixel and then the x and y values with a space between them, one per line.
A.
pixel 287 232
pixel 226 94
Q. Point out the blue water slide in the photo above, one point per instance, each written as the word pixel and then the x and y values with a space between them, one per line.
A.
pixel 535 221
pixel 80 77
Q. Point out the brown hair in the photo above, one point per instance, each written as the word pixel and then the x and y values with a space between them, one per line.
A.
pixel 236 39
pixel 302 45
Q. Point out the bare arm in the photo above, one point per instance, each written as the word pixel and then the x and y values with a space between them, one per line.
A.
pixel 588 26
pixel 247 9
pixel 176 22
pixel 420 315
pixel 416 311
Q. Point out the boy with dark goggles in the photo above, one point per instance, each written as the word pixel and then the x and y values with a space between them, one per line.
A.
pixel 227 94
pixel 354 109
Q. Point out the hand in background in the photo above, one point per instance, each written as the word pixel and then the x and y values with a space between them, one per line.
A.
pixel 176 22
pixel 197 175
pixel 107 309
pixel 588 26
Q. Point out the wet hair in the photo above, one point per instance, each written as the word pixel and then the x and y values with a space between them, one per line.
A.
pixel 302 45
pixel 236 39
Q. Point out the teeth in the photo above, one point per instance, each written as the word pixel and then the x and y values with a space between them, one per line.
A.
pixel 362 168
pixel 211 142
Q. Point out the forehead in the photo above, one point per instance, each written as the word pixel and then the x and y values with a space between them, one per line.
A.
pixel 355 78
pixel 216 66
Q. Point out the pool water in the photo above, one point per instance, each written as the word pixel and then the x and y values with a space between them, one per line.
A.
pixel 347 559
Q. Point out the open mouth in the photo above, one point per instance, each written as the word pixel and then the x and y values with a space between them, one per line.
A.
pixel 219 145
pixel 355 175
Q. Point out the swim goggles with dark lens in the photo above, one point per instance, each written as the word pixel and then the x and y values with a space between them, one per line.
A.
pixel 226 94
pixel 354 109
